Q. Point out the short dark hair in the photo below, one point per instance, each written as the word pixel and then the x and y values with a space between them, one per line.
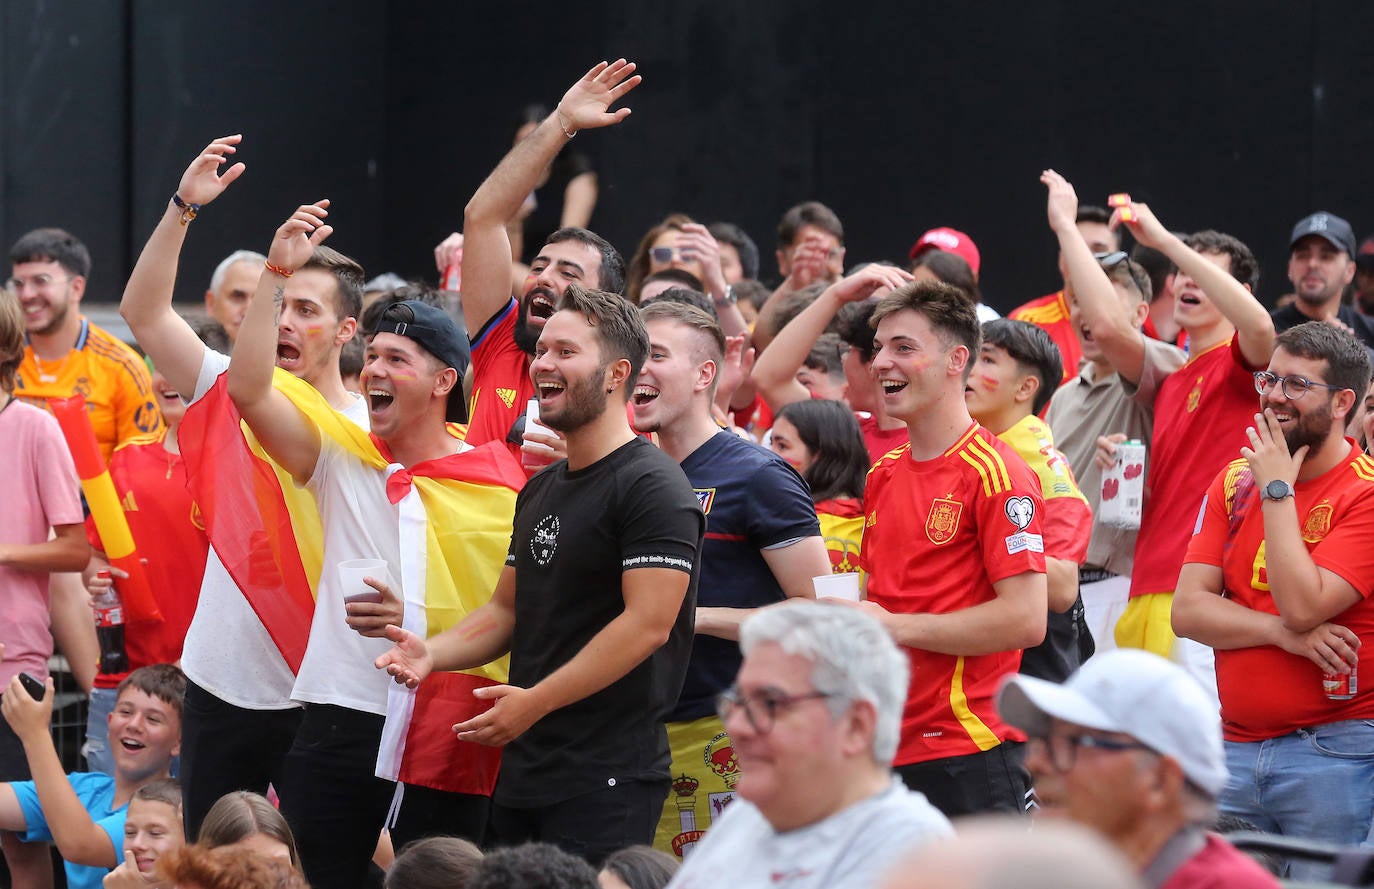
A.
pixel 533 866
pixel 685 296
pixel 753 291
pixel 612 273
pixel 1156 265
pixel 163 790
pixel 212 334
pixel 367 324
pixel 854 325
pixel 952 269
pixel 163 681
pixel 827 354
pixel 1092 213
pixel 729 233
pixel 348 275
pixel 434 863
pixel 619 329
pixel 1133 274
pixel 1031 348
pixel 1347 361
pixel 945 307
pixel 352 357
pixel 53 245
pixel 642 867
pixel 677 276
pixel 792 305
pixel 808 213
pixel 1244 268
pixel 831 433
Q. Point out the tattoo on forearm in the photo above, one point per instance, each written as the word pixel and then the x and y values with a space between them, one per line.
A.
pixel 278 296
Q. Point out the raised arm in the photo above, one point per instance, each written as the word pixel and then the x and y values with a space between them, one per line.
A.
pixel 284 432
pixel 1254 327
pixel 1121 342
pixel 775 371
pixel 79 839
pixel 147 303
pixel 486 246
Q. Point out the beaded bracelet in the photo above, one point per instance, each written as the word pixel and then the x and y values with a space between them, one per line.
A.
pixel 278 270
pixel 188 211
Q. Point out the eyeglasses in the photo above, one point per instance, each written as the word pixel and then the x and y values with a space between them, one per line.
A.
pixel 668 254
pixel 1109 261
pixel 1293 387
pixel 762 708
pixel 37 282
pixel 1062 750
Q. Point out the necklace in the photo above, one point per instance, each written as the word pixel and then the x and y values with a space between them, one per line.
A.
pixel 43 375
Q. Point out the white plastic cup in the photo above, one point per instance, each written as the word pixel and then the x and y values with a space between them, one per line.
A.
pixel 532 425
pixel 351 574
pixel 837 586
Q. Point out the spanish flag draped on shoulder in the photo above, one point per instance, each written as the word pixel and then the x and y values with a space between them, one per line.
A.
pixel 455 518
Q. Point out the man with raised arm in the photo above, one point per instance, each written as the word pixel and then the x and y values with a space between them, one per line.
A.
pixel 394 496
pixel 595 605
pixel 504 329
pixel 239 717
pixel 1200 412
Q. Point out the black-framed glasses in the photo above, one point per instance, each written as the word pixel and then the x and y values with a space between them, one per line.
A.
pixel 1062 750
pixel 1109 261
pixel 762 708
pixel 1293 387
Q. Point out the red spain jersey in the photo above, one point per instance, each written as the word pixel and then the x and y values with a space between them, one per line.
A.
pixel 1068 517
pixel 1336 514
pixel 501 387
pixel 114 381
pixel 1201 413
pixel 878 440
pixel 937 535
pixel 1051 314
pixel 169 534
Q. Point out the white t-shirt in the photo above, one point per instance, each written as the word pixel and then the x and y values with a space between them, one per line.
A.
pixel 854 848
pixel 228 651
pixel 359 523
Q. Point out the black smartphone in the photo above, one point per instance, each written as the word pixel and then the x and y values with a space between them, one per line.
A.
pixel 35 688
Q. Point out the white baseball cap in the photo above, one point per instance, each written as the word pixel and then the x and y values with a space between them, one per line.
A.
pixel 1135 693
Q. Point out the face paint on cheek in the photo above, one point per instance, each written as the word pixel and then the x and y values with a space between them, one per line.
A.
pixel 405 375
pixel 989 383
pixel 314 330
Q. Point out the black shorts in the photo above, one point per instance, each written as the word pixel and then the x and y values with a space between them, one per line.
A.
pixel 991 781
pixel 14 765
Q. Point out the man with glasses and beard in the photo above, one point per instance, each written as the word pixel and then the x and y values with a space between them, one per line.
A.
pixel 1277 580
pixel 595 605
pixel 503 329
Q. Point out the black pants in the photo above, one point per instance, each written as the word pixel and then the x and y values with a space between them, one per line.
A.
pixel 426 812
pixel 331 797
pixel 226 748
pixel 991 781
pixel 592 825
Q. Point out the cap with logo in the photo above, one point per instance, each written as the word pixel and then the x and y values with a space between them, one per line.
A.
pixel 1327 226
pixel 951 241
pixel 437 334
pixel 1132 692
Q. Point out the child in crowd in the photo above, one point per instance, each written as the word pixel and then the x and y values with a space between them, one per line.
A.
pixel 434 863
pixel 246 820
pixel 152 828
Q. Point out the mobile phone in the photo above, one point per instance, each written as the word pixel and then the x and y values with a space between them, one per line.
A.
pixel 35 688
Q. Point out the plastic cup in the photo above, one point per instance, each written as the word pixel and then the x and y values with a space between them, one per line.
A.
pixel 351 574
pixel 837 586
pixel 532 425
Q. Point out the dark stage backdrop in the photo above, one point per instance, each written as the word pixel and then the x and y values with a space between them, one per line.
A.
pixel 901 116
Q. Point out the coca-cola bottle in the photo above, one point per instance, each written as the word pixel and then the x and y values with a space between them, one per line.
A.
pixel 109 628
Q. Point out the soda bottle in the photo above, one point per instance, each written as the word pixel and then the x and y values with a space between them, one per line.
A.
pixel 109 628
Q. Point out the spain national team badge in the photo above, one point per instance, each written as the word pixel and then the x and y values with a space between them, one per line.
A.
pixel 943 521
pixel 1318 523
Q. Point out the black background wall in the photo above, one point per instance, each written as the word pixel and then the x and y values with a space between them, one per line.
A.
pixel 901 116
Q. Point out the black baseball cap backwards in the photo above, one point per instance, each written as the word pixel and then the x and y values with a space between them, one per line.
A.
pixel 438 335
pixel 1328 226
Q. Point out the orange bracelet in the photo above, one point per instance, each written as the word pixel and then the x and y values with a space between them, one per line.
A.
pixel 277 270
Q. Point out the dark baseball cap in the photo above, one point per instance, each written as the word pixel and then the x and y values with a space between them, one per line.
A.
pixel 1328 226
pixel 437 334
pixel 1365 258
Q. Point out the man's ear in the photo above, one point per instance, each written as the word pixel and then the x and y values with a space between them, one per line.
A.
pixel 78 285
pixel 958 360
pixel 347 328
pixel 1026 388
pixel 1343 405
pixel 706 375
pixel 445 381
pixel 617 374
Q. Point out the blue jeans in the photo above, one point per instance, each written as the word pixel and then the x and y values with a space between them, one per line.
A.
pixel 1316 783
pixel 97 748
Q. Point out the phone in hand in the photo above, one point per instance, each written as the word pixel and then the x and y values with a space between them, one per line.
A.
pixel 35 688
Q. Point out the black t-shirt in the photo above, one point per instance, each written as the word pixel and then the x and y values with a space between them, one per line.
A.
pixel 1289 316
pixel 575 534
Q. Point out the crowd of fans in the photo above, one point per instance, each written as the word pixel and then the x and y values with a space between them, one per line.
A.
pixel 597 498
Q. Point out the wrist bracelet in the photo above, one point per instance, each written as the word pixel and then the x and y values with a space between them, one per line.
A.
pixel 558 112
pixel 278 270
pixel 188 211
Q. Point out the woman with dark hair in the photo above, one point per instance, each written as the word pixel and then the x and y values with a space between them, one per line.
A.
pixel 822 441
pixel 638 867
pixel 952 269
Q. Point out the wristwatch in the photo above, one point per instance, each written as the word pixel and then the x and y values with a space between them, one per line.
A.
pixel 1278 489
pixel 729 298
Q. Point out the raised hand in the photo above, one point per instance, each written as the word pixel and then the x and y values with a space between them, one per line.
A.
pixel 409 660
pixel 1144 226
pixel 299 235
pixel 694 237
pixel 28 718
pixel 203 182
pixel 586 105
pixel 1062 202
pixel 1268 451
pixel 449 251
pixel 868 281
